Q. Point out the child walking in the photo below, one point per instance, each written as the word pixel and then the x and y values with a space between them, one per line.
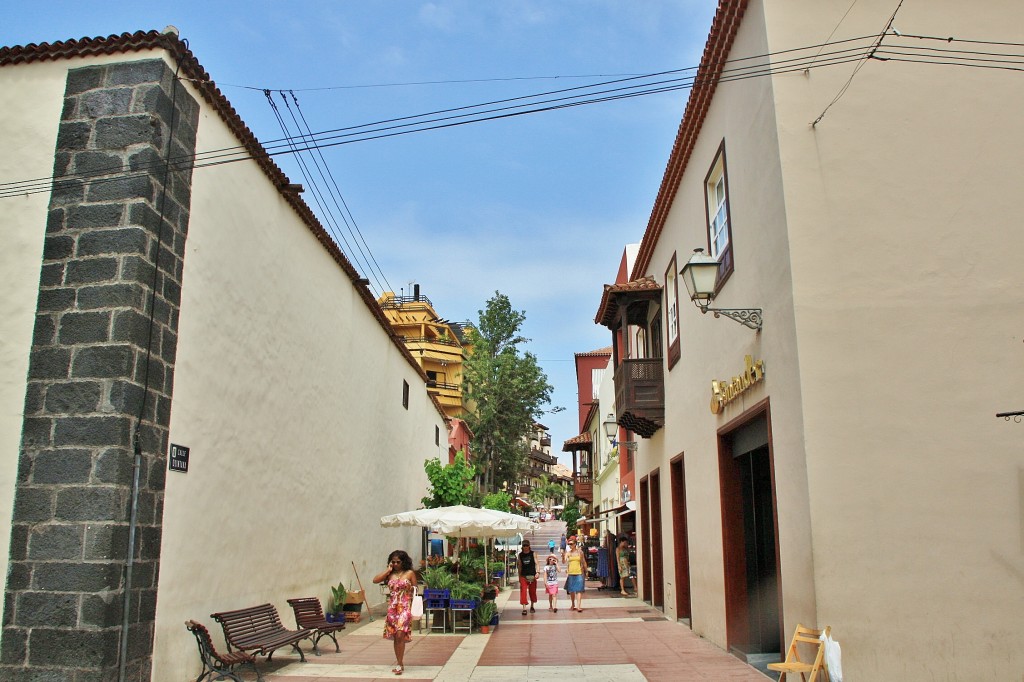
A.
pixel 551 582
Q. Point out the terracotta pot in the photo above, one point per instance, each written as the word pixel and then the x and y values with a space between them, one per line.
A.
pixel 485 629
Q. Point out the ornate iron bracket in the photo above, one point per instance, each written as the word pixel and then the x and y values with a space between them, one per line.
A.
pixel 748 317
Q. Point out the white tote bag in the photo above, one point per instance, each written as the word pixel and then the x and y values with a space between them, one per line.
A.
pixel 417 605
pixel 833 658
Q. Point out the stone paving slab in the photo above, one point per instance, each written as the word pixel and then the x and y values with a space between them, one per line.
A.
pixel 614 639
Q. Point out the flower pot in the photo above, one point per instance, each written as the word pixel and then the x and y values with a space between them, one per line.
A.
pixel 485 629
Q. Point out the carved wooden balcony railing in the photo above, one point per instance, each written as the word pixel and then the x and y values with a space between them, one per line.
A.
pixel 583 488
pixel 640 395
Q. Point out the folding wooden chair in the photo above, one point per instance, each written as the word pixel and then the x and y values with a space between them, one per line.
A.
pixel 815 667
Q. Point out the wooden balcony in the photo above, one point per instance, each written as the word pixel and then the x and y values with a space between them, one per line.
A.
pixel 583 489
pixel 640 396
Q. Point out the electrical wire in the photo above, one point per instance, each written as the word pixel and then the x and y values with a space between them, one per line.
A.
pixel 365 132
pixel 738 69
pixel 346 214
pixel 318 198
pixel 856 70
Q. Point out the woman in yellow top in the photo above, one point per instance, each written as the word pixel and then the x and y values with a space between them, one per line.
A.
pixel 576 568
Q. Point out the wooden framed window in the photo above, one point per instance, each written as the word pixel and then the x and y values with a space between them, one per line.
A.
pixel 672 313
pixel 719 215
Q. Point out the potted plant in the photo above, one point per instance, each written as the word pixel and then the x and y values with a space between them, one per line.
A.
pixel 336 604
pixel 485 614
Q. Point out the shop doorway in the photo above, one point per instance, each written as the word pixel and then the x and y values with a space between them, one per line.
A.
pixel 645 534
pixel 657 551
pixel 750 539
pixel 679 539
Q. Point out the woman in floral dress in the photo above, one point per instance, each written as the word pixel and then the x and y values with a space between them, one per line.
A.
pixel 401 582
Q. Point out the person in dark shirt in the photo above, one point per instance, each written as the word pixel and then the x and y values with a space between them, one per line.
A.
pixel 526 563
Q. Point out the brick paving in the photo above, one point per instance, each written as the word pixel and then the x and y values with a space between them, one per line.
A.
pixel 613 639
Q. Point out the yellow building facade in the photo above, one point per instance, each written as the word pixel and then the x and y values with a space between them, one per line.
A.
pixel 438 345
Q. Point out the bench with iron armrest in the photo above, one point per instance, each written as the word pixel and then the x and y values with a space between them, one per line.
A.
pixel 214 662
pixel 310 615
pixel 259 631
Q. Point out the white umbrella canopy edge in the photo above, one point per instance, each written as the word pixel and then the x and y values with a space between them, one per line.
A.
pixel 464 522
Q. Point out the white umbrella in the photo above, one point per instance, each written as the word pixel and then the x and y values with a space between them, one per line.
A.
pixel 464 522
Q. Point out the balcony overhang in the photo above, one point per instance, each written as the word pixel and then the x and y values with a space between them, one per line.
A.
pixel 617 300
pixel 640 396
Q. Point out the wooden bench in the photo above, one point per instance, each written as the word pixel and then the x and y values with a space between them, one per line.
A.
pixel 214 662
pixel 310 615
pixel 258 630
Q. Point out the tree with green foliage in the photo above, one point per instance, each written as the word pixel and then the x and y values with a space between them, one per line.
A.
pixel 571 514
pixel 500 501
pixel 546 492
pixel 504 390
pixel 450 484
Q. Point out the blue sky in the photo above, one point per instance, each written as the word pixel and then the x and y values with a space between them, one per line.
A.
pixel 538 207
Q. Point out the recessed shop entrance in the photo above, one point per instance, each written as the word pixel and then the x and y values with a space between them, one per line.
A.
pixel 749 536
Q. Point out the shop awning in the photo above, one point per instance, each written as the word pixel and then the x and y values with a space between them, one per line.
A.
pixel 613 513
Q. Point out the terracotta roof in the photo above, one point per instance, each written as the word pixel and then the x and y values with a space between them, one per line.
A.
pixel 716 51
pixel 580 442
pixel 600 352
pixel 196 75
pixel 609 307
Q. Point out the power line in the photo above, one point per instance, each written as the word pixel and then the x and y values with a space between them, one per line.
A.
pixel 748 67
pixel 440 82
pixel 371 131
pixel 856 70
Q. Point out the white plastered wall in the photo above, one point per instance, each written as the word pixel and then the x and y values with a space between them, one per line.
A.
pixel 741 114
pixel 904 215
pixel 289 394
pixel 34 95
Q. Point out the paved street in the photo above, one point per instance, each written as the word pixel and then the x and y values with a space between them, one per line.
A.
pixel 613 639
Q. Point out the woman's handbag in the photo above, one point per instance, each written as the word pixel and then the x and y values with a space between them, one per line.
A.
pixel 417 605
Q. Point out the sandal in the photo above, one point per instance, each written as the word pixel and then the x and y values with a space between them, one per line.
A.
pixel 398 669
pixel 556 609
pixel 524 612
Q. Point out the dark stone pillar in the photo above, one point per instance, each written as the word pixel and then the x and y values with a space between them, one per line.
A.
pixel 100 375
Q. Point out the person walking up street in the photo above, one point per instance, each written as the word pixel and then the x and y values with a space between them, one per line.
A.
pixel 526 564
pixel 625 566
pixel 551 582
pixel 562 544
pixel 401 582
pixel 576 568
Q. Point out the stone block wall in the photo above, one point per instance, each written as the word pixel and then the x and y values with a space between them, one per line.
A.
pixel 101 374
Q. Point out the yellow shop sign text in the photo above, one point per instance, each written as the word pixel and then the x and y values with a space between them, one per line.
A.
pixel 724 392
